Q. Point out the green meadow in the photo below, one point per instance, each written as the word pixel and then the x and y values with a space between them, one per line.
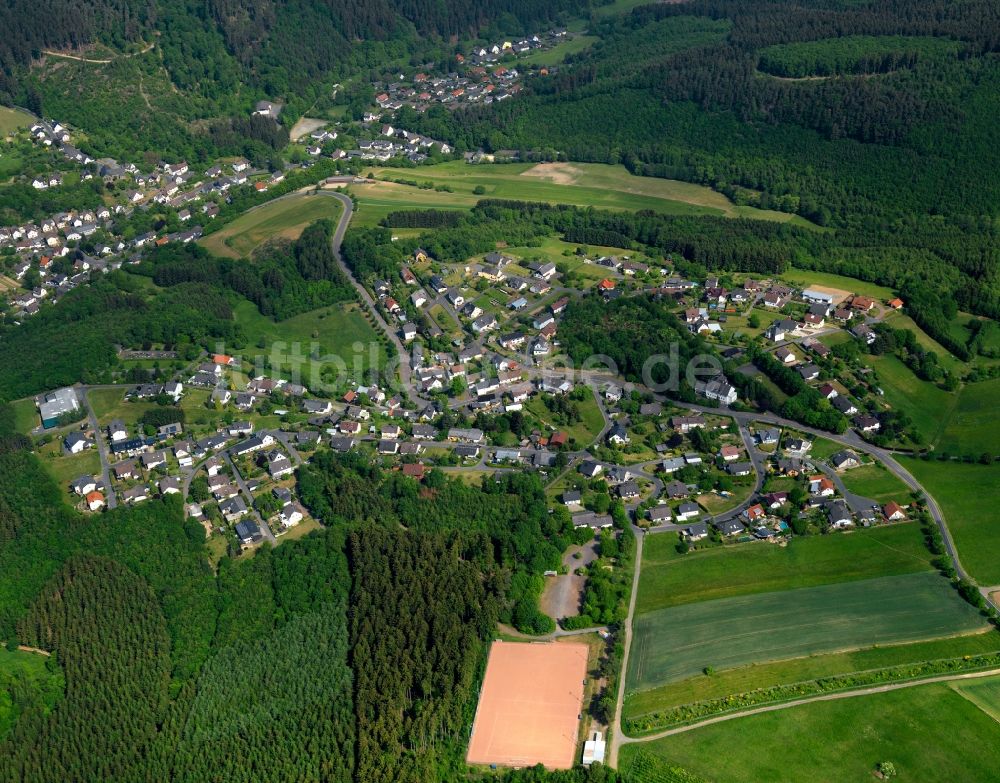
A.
pixel 725 572
pixel 583 432
pixel 284 217
pixel 26 416
pixel 973 426
pixel 929 732
pixel 969 496
pixel 877 483
pixel 13 119
pixel 35 683
pixel 928 405
pixel 333 331
pixel 584 184
pixel 984 693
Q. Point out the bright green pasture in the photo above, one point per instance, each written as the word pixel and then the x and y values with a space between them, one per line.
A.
pixel 877 483
pixel 969 496
pixel 929 732
pixel 329 331
pixel 285 217
pixel 745 569
pixel 584 184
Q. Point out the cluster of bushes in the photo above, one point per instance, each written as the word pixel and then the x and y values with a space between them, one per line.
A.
pixel 605 597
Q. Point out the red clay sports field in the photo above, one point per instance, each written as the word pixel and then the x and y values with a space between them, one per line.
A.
pixel 529 708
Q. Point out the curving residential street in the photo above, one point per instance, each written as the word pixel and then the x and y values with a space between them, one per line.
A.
pixel 403 362
pixel 849 439
pixel 248 498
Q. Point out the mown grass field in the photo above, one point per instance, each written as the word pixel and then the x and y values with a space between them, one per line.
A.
pixel 285 217
pixel 332 331
pixel 973 426
pixel 926 404
pixel 110 404
pixel 725 572
pixel 196 413
pixel 823 448
pixel 807 277
pixel 877 483
pixel 969 496
pixel 929 732
pixel 12 120
pixel 743 679
pixel 715 504
pixel 104 401
pixel 985 694
pixel 374 200
pixel 676 643
pixel 557 53
pixel 584 184
pixel 304 528
pixel 739 323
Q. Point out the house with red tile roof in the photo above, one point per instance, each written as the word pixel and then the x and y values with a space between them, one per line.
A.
pixel 893 511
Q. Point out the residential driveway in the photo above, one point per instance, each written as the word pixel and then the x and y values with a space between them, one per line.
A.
pixel 563 594
pixel 248 498
pixel 102 451
pixel 857 503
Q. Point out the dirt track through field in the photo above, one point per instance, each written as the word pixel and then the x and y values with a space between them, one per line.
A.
pixel 799 702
